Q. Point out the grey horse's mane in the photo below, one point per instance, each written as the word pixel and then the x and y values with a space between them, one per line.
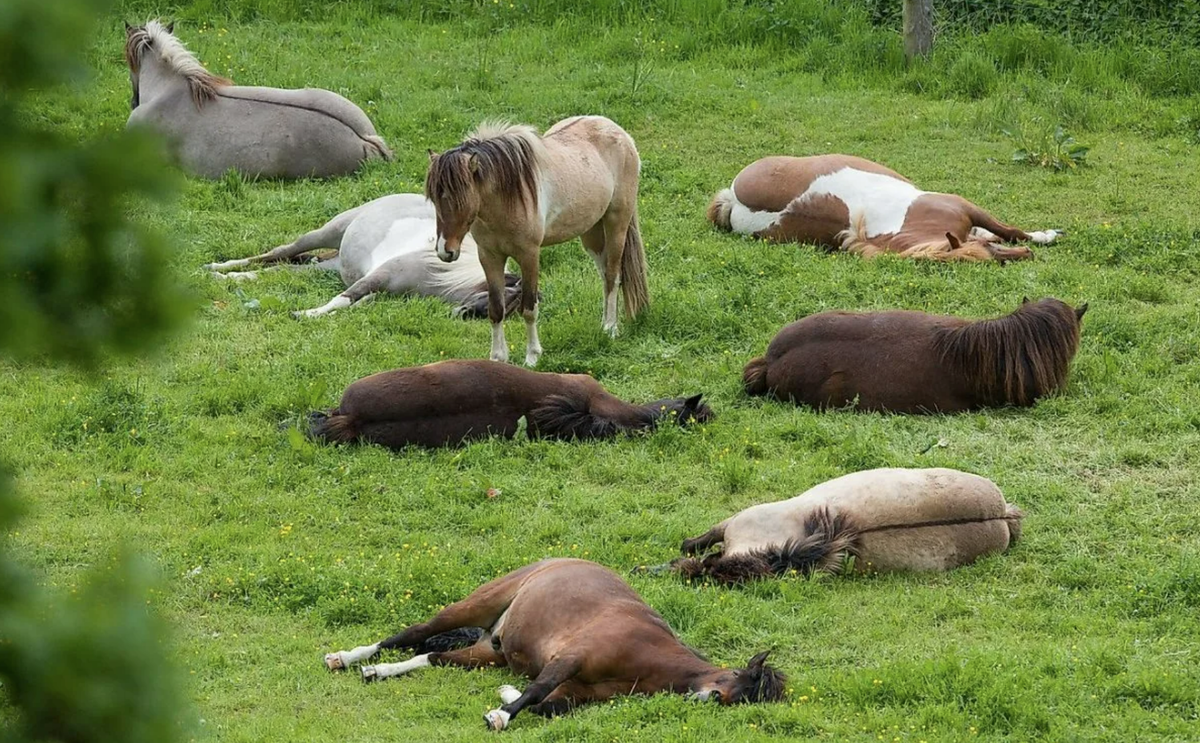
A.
pixel 154 36
pixel 510 155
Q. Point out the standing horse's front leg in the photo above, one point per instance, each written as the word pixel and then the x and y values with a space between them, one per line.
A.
pixel 493 271
pixel 529 305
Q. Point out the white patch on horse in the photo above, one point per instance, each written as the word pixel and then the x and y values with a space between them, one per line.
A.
pixel 499 345
pixel 509 693
pixel 341 301
pixel 497 719
pixel 346 658
pixel 983 234
pixel 386 670
pixel 881 201
pixel 1043 237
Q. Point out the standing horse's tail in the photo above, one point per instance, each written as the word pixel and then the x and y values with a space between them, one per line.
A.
pixel 830 541
pixel 754 377
pixel 721 209
pixel 633 271
pixel 333 427
pixel 376 146
pixel 1013 516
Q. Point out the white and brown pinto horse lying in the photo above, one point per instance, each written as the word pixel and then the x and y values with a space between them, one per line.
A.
pixel 579 631
pixel 451 402
pixel 886 519
pixel 848 203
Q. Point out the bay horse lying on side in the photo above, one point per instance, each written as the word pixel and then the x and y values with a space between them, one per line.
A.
pixel 848 203
pixel 383 245
pixel 452 402
pixel 580 632
pixel 213 126
pixel 516 192
pixel 914 362
pixel 886 519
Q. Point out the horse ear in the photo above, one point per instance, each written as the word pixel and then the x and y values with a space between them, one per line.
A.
pixel 171 27
pixel 432 155
pixel 128 28
pixel 692 403
pixel 1024 300
pixel 756 663
pixel 954 243
pixel 1080 310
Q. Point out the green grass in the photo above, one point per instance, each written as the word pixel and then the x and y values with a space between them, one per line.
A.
pixel 274 552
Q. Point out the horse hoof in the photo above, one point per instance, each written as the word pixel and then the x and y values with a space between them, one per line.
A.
pixel 334 662
pixel 509 693
pixel 497 719
pixel 368 674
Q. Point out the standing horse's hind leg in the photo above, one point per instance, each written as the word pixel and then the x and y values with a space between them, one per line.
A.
pixel 597 242
pixel 616 225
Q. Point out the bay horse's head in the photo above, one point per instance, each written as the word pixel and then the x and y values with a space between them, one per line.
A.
pixel 757 682
pixel 682 410
pixel 497 164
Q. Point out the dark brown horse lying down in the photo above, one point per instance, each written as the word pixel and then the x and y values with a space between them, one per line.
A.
pixel 887 519
pixel 579 631
pixel 848 203
pixel 452 402
pixel 913 362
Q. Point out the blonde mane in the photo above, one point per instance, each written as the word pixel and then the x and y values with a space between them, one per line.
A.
pixel 154 36
pixel 511 156
pixel 855 240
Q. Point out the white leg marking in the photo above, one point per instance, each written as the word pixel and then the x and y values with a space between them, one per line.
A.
pixel 235 275
pixel 533 345
pixel 386 670
pixel 499 345
pixel 497 719
pixel 509 693
pixel 610 311
pixel 345 658
pixel 339 302
pixel 983 234
pixel 1044 237
pixel 226 265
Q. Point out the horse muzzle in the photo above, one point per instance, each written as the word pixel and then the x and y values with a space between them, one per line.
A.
pixel 445 252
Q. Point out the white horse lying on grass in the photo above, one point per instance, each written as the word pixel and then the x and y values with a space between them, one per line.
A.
pixel 385 245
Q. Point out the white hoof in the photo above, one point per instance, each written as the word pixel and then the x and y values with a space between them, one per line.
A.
pixel 612 330
pixel 226 265
pixel 509 693
pixel 497 719
pixel 335 662
pixel 501 357
pixel 368 674
pixel 531 358
pixel 1045 237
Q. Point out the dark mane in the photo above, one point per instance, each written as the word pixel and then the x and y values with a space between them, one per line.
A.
pixel 1017 358
pixel 763 684
pixel 505 155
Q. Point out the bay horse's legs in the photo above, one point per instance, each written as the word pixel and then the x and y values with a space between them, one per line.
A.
pixel 479 655
pixel 529 305
pixel 553 674
pixel 493 271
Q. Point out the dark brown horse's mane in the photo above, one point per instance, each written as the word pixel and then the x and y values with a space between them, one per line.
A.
pixel 1017 358
pixel 202 84
pixel 830 540
pixel 504 154
pixel 761 683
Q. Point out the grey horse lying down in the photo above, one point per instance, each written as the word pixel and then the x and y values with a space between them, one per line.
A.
pixel 213 126
pixel 385 245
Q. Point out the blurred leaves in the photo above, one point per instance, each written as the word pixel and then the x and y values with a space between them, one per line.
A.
pixel 78 277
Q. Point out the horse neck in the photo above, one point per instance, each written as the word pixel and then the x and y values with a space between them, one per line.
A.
pixel 624 414
pixel 677 668
pixel 156 79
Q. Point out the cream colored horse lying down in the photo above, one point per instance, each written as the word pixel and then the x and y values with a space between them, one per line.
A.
pixel 886 519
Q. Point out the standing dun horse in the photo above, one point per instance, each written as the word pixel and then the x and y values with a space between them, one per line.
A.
pixel 452 402
pixel 385 245
pixel 885 519
pixel 580 632
pixel 914 362
pixel 848 203
pixel 516 192
pixel 213 126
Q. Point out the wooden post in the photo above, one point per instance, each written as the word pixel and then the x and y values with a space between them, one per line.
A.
pixel 918 28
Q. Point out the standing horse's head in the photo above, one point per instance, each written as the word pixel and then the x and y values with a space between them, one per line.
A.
pixel 452 184
pixel 757 682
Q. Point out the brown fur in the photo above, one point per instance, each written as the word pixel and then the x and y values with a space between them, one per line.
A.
pixel 452 402
pixel 603 642
pixel 913 362
pixel 499 153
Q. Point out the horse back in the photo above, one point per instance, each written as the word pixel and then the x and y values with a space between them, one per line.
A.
pixel 312 99
pixel 772 183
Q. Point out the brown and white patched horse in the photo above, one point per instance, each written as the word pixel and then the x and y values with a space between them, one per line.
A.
pixel 579 631
pixel 848 203
pixel 914 362
pixel 452 402
pixel 886 519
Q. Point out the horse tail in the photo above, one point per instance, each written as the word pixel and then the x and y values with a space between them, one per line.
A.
pixel 563 417
pixel 452 640
pixel 830 541
pixel 376 147
pixel 1013 516
pixel 754 377
pixel 333 427
pixel 720 211
pixel 633 270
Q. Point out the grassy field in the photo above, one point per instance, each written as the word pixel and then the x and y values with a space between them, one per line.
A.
pixel 274 551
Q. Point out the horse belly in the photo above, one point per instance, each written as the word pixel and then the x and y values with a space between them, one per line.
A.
pixel 441 430
pixel 931 548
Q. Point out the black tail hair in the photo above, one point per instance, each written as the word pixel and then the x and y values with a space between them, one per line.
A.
pixel 831 539
pixel 452 640
pixel 754 377
pixel 563 417
pixel 332 426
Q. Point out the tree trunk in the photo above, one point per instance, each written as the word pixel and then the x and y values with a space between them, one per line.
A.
pixel 918 28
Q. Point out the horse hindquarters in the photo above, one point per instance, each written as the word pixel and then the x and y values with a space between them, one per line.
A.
pixel 932 548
